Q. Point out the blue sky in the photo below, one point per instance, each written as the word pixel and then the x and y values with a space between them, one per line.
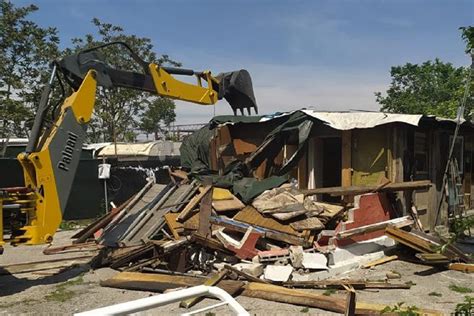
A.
pixel 329 55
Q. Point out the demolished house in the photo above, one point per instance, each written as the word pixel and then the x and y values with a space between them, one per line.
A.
pixel 264 205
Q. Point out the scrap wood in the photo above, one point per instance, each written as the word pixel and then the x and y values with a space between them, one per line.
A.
pixel 26 267
pixel 463 267
pixel 88 246
pixel 95 226
pixel 192 204
pixel 158 282
pixel 379 261
pixel 211 281
pixel 310 223
pixel 132 255
pixel 251 216
pixel 209 243
pixel 161 282
pixel 350 301
pixel 246 276
pixel 340 284
pixel 356 190
pixel 397 222
pixel 205 210
pixel 425 243
pixel 409 239
pixel 267 233
pixel 433 258
pixel 174 226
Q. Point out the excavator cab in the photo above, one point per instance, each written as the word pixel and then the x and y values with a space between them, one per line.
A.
pixel 235 86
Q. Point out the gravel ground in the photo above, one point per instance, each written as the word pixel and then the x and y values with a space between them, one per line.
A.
pixel 78 289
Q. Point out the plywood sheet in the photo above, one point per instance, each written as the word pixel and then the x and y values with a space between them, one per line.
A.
pixel 251 216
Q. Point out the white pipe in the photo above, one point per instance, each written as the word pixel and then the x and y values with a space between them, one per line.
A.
pixel 167 298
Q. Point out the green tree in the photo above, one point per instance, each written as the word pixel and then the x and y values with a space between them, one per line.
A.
pixel 468 37
pixel 117 111
pixel 159 113
pixel 433 87
pixel 25 52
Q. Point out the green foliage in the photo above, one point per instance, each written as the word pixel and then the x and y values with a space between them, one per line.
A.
pixel 117 111
pixel 468 37
pixel 25 52
pixel 160 112
pixel 304 310
pixel 433 87
pixel 399 309
pixel 62 293
pixel 328 292
pixel 460 289
pixel 465 308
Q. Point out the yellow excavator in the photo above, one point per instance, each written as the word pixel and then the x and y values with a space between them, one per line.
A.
pixel 31 214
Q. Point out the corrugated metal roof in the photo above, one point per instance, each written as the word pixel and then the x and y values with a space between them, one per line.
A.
pixel 352 120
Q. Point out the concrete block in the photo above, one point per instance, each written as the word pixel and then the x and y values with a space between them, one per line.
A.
pixel 315 261
pixel 274 255
pixel 278 273
pixel 254 269
pixel 350 252
pixel 296 256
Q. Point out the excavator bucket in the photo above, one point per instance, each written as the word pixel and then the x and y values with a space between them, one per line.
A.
pixel 236 87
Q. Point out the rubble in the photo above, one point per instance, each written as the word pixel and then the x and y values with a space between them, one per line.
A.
pixel 184 231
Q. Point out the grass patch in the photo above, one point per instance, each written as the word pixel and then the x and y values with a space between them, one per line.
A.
pixel 328 292
pixel 411 283
pixel 460 289
pixel 62 293
pixel 304 310
pixel 466 307
pixel 25 301
pixel 401 310
pixel 435 294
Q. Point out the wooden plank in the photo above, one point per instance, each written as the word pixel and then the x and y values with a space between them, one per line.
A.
pixel 409 240
pixel 356 190
pixel 350 303
pixel 173 225
pixel 397 222
pixel 339 284
pixel 271 234
pixel 379 262
pixel 297 297
pixel 211 281
pixel 251 216
pixel 161 282
pixel 205 210
pixel 463 267
pixel 192 204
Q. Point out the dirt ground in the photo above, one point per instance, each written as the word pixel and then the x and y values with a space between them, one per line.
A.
pixel 78 289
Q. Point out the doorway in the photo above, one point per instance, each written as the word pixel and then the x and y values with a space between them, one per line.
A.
pixel 331 166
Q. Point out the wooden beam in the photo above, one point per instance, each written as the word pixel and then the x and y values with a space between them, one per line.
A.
pixel 211 281
pixel 379 261
pixel 356 190
pixel 397 222
pixel 346 158
pixel 205 210
pixel 192 204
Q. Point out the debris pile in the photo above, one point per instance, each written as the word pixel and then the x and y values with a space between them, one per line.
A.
pixel 271 247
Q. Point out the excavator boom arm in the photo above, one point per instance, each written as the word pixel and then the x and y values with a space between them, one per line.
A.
pixel 53 152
